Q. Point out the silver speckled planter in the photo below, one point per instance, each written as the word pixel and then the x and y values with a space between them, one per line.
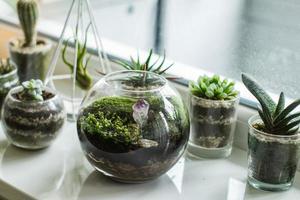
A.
pixel 212 127
pixel 32 63
pixel 32 125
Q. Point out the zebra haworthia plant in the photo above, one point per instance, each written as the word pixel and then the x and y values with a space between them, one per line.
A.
pixel 277 119
pixel 213 88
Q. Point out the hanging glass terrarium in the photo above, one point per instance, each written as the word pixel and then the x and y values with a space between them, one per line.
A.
pixel 73 69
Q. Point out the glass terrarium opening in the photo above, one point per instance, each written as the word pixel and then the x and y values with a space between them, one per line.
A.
pixel 135 81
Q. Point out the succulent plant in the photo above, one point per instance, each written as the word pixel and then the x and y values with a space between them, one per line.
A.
pixel 5 66
pixel 213 88
pixel 83 78
pixel 148 65
pixel 32 90
pixel 277 119
pixel 28 16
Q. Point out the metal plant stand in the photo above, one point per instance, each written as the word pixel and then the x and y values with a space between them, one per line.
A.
pixel 79 32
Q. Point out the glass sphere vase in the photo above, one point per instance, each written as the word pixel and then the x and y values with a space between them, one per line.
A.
pixel 132 126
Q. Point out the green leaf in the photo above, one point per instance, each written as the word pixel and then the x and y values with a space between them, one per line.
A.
pixel 209 93
pixel 264 99
pixel 280 105
pixel 293 131
pixel 286 120
pixel 149 58
pixel 266 119
pixel 287 128
pixel 286 111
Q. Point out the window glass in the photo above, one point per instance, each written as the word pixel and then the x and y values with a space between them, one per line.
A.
pixel 260 37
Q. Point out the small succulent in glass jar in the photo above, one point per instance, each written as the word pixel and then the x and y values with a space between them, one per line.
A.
pixel 32 91
pixel 273 140
pixel 213 103
pixel 32 115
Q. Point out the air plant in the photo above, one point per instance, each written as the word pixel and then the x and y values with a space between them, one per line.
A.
pixel 148 65
pixel 83 78
pixel 213 88
pixel 277 119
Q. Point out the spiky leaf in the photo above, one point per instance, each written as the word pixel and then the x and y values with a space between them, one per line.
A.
pixel 264 99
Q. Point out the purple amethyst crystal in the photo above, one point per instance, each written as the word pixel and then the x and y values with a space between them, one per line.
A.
pixel 140 112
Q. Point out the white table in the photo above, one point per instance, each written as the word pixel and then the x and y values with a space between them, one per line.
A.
pixel 62 172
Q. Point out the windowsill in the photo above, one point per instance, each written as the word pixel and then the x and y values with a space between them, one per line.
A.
pixel 44 175
pixel 70 174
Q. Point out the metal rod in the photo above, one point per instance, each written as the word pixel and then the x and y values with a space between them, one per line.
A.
pixel 58 46
pixel 78 22
pixel 99 44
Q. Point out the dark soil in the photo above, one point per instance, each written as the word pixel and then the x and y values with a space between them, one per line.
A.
pixel 46 95
pixel 212 127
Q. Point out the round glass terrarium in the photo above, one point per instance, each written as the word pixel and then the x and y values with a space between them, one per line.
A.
pixel 133 127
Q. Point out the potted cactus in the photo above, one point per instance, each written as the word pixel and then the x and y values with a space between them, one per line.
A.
pixel 30 54
pixel 213 104
pixel 273 141
pixel 32 115
pixel 8 78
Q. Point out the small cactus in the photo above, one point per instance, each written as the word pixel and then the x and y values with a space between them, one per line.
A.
pixel 5 66
pixel 28 16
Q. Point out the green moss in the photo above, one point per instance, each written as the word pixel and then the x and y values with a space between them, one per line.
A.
pixel 110 127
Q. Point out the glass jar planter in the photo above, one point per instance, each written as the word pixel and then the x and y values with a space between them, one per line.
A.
pixel 133 127
pixel 272 159
pixel 8 81
pixel 29 124
pixel 213 124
